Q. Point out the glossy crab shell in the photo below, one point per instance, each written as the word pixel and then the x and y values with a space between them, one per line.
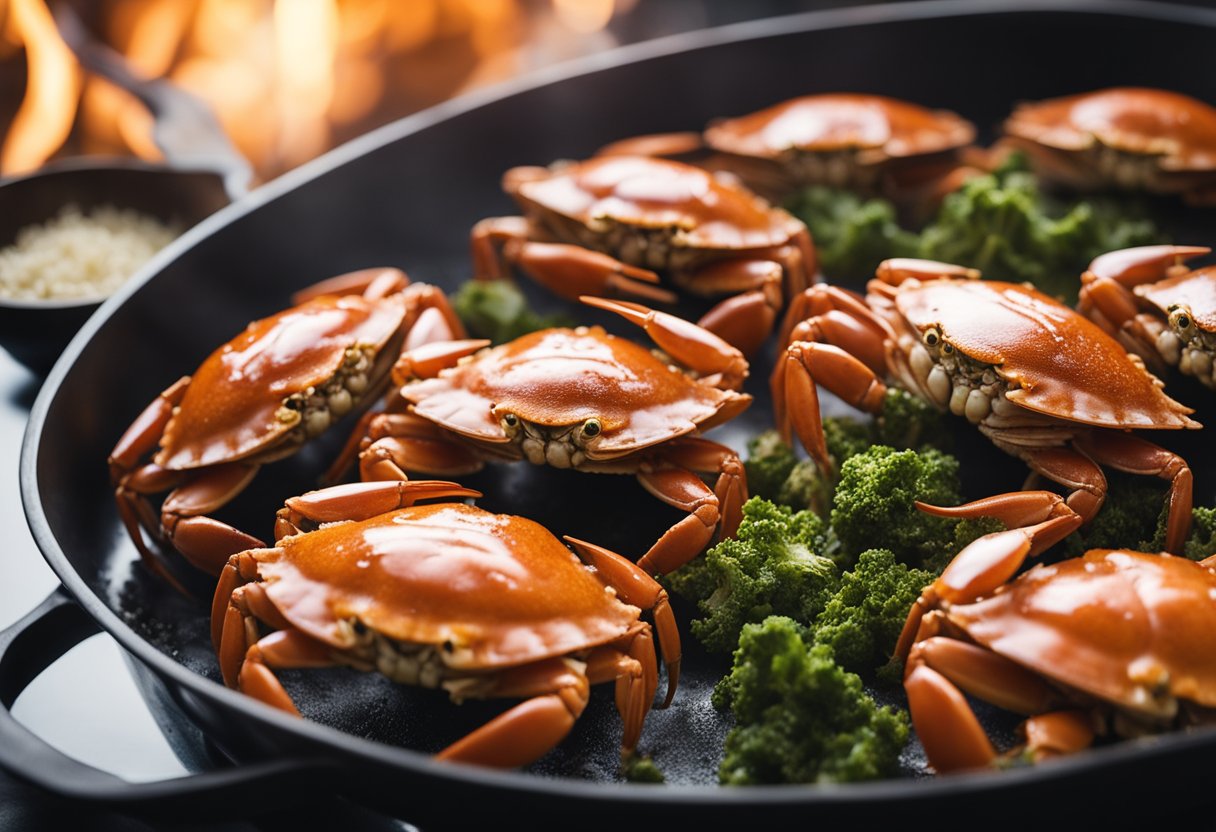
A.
pixel 234 406
pixel 494 590
pixel 878 128
pixel 1019 330
pixel 1194 289
pixel 1135 629
pixel 565 376
pixel 647 193
pixel 1180 131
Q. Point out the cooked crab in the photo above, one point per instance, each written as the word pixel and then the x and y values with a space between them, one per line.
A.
pixel 1041 381
pixel 1132 138
pixel 865 143
pixel 1157 308
pixel 575 398
pixel 600 226
pixel 1113 642
pixel 257 399
pixel 448 596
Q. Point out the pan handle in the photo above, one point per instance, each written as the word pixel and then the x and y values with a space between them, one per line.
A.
pixel 186 130
pixel 29 647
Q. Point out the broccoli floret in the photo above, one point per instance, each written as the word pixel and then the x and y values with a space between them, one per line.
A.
pixel 1133 516
pixel 965 532
pixel 771 567
pixel 852 236
pixel 847 436
pixel 1202 542
pixel 769 461
pixel 1004 226
pixel 907 421
pixel 1000 223
pixel 874 503
pixel 497 310
pixel 862 620
pixel 642 769
pixel 800 718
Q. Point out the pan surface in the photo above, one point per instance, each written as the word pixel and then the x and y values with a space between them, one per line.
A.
pixel 407 196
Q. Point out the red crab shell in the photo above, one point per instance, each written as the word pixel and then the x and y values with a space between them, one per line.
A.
pixel 645 192
pixel 565 376
pixel 1019 330
pixel 231 411
pixel 497 590
pixel 878 128
pixel 1117 625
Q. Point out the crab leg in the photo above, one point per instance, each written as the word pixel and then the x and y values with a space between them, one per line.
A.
pixel 204 542
pixel 1056 733
pixel 895 271
pixel 796 400
pixel 373 284
pixel 361 501
pixel 281 649
pixel 566 270
pixel 1133 455
pixel 708 510
pixel 686 342
pixel 991 560
pixel 397 442
pixel 636 674
pixel 558 691
pixel 829 314
pixel 634 586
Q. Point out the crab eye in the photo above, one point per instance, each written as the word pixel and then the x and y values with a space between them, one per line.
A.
pixel 947 347
pixel 510 423
pixel 932 337
pixel 592 428
pixel 1180 319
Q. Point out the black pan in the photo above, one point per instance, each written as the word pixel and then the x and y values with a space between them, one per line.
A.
pixel 406 195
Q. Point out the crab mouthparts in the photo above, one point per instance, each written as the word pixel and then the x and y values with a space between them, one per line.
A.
pixel 551 445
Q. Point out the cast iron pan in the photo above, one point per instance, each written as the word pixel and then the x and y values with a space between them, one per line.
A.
pixel 407 196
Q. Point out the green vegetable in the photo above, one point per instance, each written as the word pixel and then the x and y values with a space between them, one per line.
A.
pixel 874 502
pixel 800 718
pixel 1000 223
pixel 642 769
pixel 852 236
pixel 775 472
pixel 1202 542
pixel 862 620
pixel 497 310
pixel 771 568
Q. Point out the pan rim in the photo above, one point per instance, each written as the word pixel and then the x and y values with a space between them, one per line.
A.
pixel 424 765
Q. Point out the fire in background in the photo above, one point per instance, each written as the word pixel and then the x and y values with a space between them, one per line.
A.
pixel 288 79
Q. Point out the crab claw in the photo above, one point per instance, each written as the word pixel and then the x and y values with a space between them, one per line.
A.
pixel 1143 264
pixel 427 360
pixel 686 342
pixel 991 560
pixel 898 269
pixel 361 500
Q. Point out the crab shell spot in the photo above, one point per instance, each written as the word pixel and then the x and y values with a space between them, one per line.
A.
pixel 1063 364
pixel 1195 289
pixel 228 412
pixel 501 588
pixel 827 123
pixel 1136 120
pixel 560 377
pixel 658 193
pixel 1094 623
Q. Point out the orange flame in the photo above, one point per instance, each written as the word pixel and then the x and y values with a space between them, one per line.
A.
pixel 44 120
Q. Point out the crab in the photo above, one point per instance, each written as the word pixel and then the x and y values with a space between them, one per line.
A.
pixel 1157 308
pixel 600 227
pixel 574 398
pixel 1041 381
pixel 1112 642
pixel 446 595
pixel 259 398
pixel 865 143
pixel 1130 138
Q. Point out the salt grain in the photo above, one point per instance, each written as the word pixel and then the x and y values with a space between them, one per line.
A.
pixel 79 256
